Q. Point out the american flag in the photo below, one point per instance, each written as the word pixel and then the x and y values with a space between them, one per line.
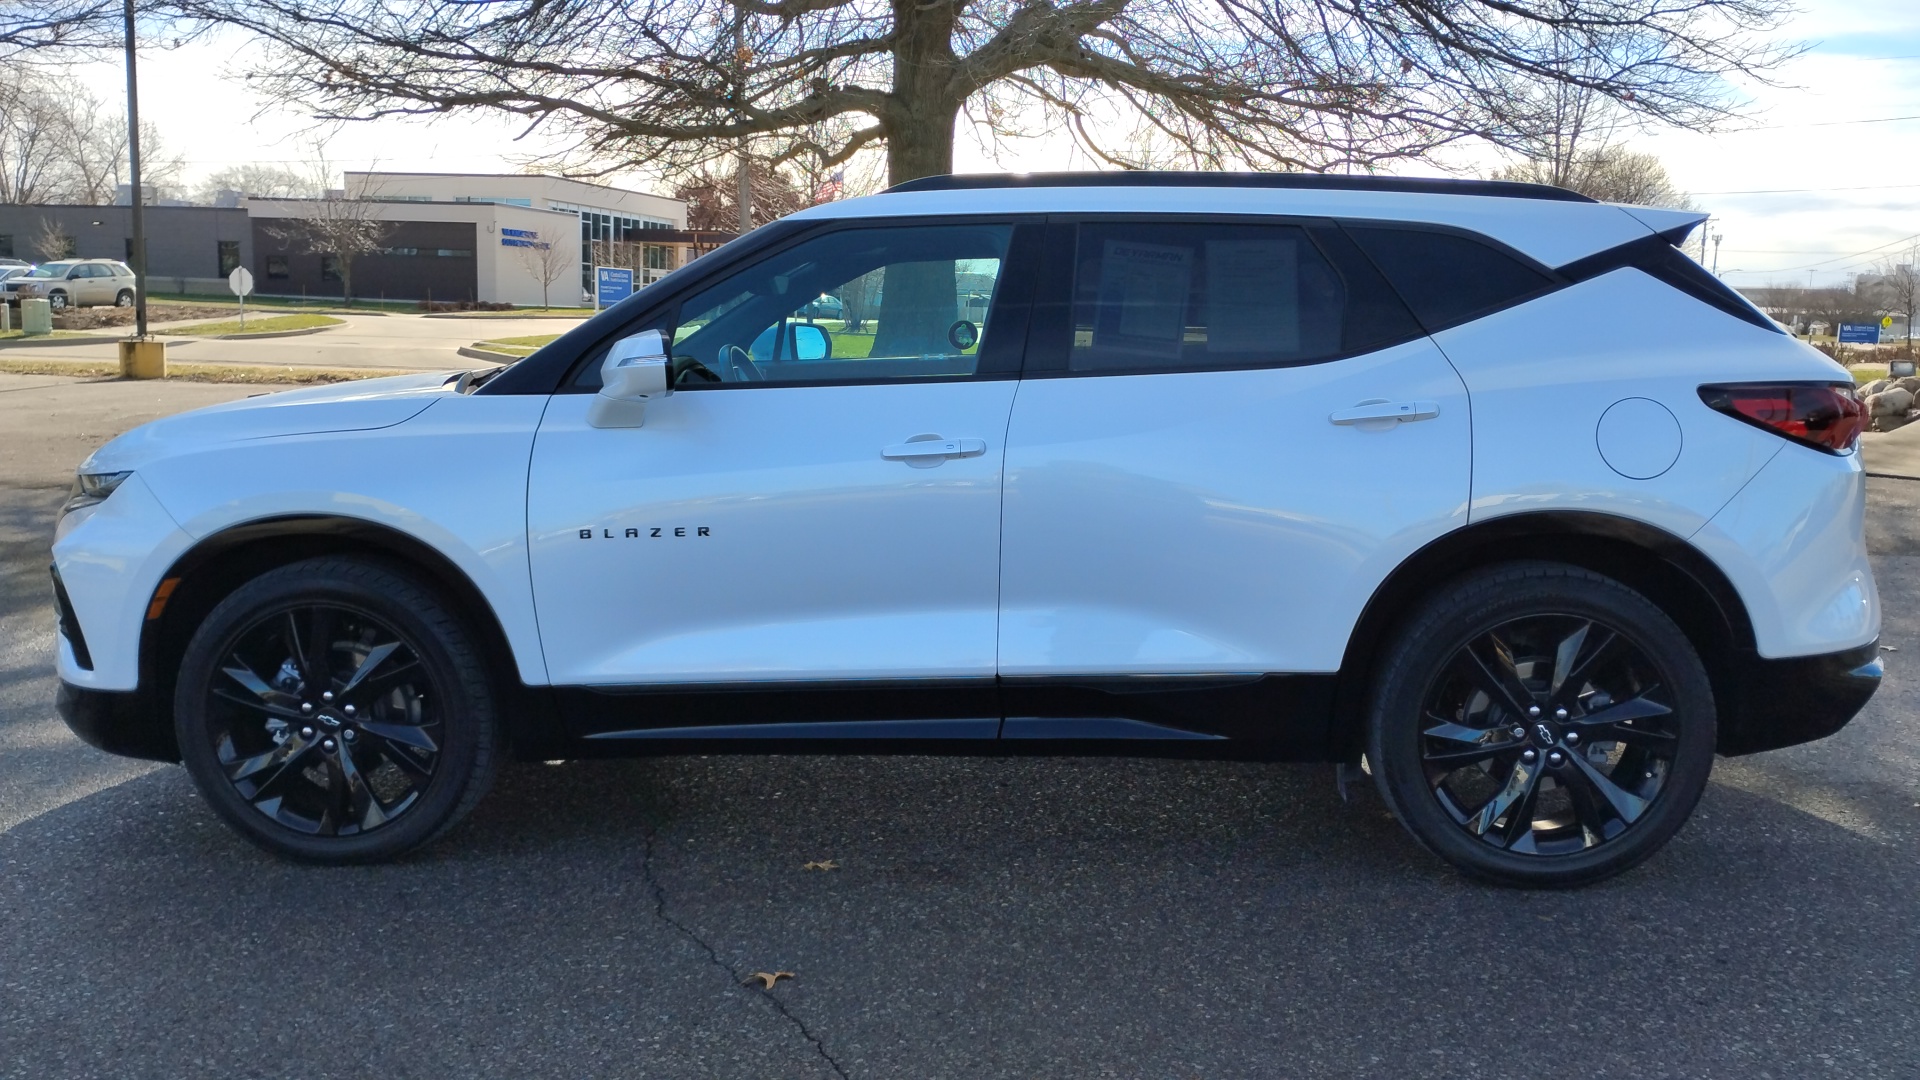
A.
pixel 829 189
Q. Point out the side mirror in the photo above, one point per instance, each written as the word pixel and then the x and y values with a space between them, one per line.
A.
pixel 810 342
pixel 635 370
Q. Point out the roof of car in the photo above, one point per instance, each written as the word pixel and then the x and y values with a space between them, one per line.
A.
pixel 1555 229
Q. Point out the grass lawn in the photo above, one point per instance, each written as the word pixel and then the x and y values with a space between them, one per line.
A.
pixel 1865 374
pixel 16 335
pixel 216 373
pixel 259 324
pixel 515 346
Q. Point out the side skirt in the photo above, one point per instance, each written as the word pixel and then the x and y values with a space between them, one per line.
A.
pixel 1243 716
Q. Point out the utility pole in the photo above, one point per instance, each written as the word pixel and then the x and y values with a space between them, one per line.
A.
pixel 137 196
pixel 1716 254
pixel 740 58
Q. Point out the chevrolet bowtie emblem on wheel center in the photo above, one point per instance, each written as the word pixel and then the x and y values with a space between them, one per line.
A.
pixel 1543 734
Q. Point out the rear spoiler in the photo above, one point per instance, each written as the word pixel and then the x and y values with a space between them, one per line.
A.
pixel 1670 225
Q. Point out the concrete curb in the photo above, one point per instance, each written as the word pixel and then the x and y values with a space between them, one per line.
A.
pixel 56 342
pixel 488 355
pixel 275 334
pixel 529 313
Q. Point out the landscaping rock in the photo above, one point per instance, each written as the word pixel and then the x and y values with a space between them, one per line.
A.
pixel 1911 384
pixel 1875 387
pixel 1894 402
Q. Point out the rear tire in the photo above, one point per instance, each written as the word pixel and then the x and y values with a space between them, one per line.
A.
pixel 335 711
pixel 124 299
pixel 1540 725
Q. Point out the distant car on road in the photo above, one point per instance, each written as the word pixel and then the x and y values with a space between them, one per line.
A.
pixel 827 306
pixel 74 283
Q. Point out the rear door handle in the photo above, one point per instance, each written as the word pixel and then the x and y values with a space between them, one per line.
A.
pixel 931 448
pixel 1403 411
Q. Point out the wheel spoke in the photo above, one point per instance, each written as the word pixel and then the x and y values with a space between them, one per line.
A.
pixel 1564 657
pixel 282 761
pixel 375 657
pixel 353 800
pixel 1478 744
pixel 1582 671
pixel 1519 789
pixel 404 734
pixel 239 672
pixel 259 706
pixel 374 686
pixel 1614 722
pixel 1497 674
pixel 1588 807
pixel 1625 803
pixel 402 758
pixel 296 651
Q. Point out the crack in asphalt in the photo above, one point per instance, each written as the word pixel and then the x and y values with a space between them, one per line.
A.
pixel 713 957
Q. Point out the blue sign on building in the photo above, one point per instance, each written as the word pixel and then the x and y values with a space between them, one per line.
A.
pixel 525 238
pixel 612 284
pixel 1859 334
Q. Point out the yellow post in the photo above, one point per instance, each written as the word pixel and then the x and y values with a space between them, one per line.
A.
pixel 143 358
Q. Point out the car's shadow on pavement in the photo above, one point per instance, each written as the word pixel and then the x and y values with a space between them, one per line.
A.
pixel 982 917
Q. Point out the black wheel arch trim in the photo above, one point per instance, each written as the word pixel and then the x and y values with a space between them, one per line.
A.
pixel 221 561
pixel 1669 571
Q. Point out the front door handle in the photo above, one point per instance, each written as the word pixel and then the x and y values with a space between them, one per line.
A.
pixel 934 448
pixel 1404 411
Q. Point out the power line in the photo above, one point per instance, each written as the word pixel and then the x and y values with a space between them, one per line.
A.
pixel 1806 190
pixel 1841 258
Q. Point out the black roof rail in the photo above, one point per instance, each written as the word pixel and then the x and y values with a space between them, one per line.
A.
pixel 1419 185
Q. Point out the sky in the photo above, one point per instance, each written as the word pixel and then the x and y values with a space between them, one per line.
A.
pixel 1822 181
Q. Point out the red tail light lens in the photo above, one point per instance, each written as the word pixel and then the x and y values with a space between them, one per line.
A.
pixel 1825 416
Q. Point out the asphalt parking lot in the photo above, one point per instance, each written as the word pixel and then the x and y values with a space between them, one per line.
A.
pixel 984 918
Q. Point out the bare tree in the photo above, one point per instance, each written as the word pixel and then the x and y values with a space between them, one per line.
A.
pixel 1609 174
pixel 344 225
pixel 1301 84
pixel 548 262
pixel 712 193
pixel 59 143
pixel 1896 287
pixel 259 181
pixel 50 243
pixel 28 26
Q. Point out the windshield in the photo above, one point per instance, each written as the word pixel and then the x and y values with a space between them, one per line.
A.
pixel 51 270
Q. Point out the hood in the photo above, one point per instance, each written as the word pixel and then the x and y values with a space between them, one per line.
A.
pixel 364 405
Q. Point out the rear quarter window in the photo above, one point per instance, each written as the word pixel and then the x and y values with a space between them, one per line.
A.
pixel 1448 278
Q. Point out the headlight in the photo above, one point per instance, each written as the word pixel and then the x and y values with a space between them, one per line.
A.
pixel 91 489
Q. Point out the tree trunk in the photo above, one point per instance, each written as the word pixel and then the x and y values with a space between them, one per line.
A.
pixel 920 123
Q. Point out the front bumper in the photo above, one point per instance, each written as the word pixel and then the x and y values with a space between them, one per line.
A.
pixel 118 722
pixel 1776 703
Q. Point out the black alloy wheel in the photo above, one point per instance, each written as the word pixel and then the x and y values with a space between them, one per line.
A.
pixel 1547 726
pixel 333 711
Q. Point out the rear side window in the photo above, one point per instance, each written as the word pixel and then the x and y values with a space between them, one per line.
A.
pixel 1177 296
pixel 1447 278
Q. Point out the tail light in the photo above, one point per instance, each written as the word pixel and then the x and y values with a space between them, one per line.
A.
pixel 1825 416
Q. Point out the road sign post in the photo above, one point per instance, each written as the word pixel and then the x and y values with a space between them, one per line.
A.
pixel 611 284
pixel 241 282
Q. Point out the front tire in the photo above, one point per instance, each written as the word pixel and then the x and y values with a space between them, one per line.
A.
pixel 1541 725
pixel 56 301
pixel 335 711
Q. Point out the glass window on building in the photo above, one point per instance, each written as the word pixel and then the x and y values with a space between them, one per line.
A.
pixel 277 266
pixel 6 246
pixel 229 254
pixel 329 268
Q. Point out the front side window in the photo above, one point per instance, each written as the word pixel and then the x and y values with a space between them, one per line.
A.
pixel 1180 296
pixel 893 302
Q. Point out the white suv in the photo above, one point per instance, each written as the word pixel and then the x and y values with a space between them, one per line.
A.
pixel 1486 484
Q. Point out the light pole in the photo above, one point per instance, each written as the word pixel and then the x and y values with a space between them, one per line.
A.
pixel 136 197
pixel 1716 254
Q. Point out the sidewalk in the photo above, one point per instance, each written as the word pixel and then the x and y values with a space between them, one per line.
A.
pixel 1892 453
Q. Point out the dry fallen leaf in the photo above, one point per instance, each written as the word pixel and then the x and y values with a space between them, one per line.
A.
pixel 824 864
pixel 767 978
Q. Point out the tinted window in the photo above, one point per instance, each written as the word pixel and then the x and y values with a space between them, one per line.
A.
pixel 862 303
pixel 1447 278
pixel 1153 296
